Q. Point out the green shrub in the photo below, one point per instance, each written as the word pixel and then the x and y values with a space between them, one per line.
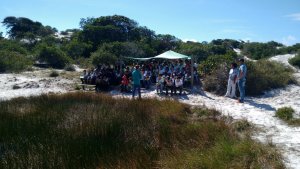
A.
pixel 53 56
pixel 69 67
pixel 13 62
pixel 100 57
pixel 295 61
pixel 213 62
pixel 216 82
pixel 256 50
pixel 54 73
pixel 265 75
pixel 285 113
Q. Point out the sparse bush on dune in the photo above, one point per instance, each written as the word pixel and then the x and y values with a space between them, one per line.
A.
pixel 295 61
pixel 285 113
pixel 81 130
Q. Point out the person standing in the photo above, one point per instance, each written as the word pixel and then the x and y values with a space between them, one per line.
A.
pixel 242 80
pixel 231 87
pixel 136 77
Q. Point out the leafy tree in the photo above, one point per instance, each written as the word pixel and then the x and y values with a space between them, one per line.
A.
pixel 107 29
pixel 24 28
pixel 199 51
pixel 76 49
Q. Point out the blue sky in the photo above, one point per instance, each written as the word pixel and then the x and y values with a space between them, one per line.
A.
pixel 200 20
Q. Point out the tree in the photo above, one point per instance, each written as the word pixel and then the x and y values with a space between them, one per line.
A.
pixel 24 28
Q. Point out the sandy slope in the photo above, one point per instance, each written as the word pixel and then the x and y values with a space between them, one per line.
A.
pixel 259 111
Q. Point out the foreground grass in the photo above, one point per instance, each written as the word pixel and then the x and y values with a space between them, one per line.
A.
pixel 81 130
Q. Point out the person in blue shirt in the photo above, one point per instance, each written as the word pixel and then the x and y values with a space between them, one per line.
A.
pixel 136 78
pixel 242 80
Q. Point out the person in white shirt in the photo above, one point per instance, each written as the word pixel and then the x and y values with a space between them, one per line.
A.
pixel 178 85
pixel 231 87
pixel 159 84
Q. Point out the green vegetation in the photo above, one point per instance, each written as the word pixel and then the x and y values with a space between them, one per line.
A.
pixel 54 73
pixel 81 130
pixel 295 61
pixel 264 75
pixel 287 114
pixel 69 67
pixel 13 62
pixel 53 56
pixel 256 50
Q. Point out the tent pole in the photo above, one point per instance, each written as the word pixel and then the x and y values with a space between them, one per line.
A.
pixel 192 74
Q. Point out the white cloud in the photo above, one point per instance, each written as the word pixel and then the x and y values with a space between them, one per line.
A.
pixel 294 16
pixel 289 40
pixel 190 40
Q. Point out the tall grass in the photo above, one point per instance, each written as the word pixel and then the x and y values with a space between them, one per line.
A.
pixel 81 130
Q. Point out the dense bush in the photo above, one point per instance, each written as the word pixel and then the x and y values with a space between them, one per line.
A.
pixel 81 130
pixel 295 61
pixel 213 62
pixel 285 113
pixel 101 57
pixel 216 81
pixel 13 62
pixel 53 56
pixel 256 50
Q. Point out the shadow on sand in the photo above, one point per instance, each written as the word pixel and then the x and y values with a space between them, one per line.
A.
pixel 260 105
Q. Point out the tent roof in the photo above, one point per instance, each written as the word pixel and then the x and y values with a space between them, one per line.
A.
pixel 166 55
pixel 171 55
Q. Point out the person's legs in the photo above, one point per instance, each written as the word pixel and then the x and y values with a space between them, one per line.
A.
pixel 139 91
pixel 241 85
pixel 133 91
pixel 180 90
pixel 228 88
pixel 233 88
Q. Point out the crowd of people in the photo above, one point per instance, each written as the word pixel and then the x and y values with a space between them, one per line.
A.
pixel 167 77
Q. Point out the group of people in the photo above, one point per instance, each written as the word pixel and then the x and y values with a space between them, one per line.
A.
pixel 167 77
pixel 237 75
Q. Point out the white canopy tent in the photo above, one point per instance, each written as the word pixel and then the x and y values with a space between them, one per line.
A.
pixel 171 55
